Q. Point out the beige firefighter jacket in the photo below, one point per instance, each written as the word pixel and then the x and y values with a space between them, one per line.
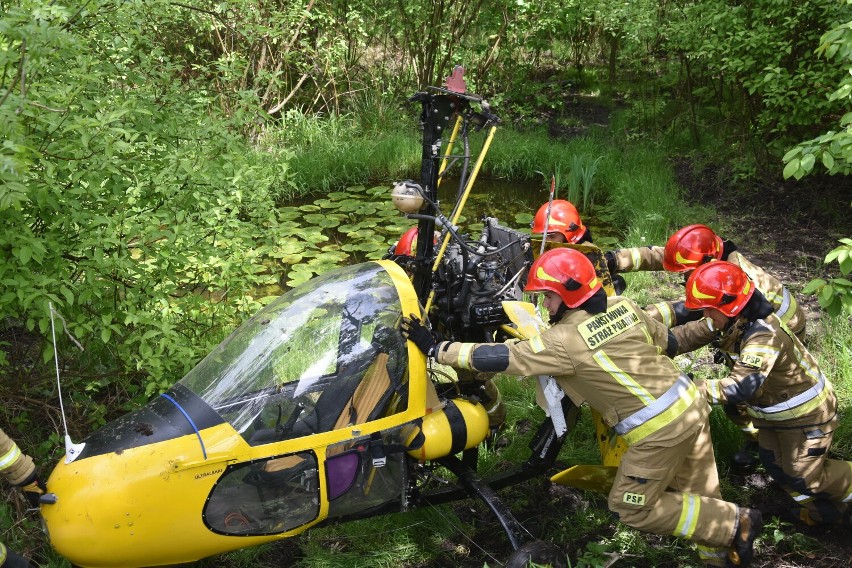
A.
pixel 774 375
pixel 15 465
pixel 784 302
pixel 615 361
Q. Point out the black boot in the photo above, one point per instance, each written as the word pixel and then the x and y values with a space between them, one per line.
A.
pixel 745 460
pixel 14 560
pixel 749 527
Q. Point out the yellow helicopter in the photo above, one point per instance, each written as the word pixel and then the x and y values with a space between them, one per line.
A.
pixel 316 410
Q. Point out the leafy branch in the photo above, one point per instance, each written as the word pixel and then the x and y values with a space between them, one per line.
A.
pixel 835 294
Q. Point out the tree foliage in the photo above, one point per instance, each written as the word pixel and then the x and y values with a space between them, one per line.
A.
pixel 835 294
pixel 127 204
pixel 832 149
pixel 755 62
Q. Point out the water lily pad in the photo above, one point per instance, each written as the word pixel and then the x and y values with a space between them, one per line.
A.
pixel 361 247
pixel 325 203
pixel 309 207
pixel 313 235
pixel 390 213
pixel 285 247
pixel 349 205
pixel 328 257
pixel 523 219
pixel 362 234
pixel 323 221
pixel 348 228
pixel 396 228
pixel 289 226
pixel 300 274
pixel 380 190
pixel 293 258
pixel 366 209
pixel 289 213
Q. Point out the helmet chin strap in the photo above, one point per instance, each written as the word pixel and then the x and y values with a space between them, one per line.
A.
pixel 596 304
pixel 757 307
pixel 560 311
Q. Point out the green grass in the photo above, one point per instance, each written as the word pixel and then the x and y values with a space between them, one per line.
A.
pixel 832 345
pixel 329 153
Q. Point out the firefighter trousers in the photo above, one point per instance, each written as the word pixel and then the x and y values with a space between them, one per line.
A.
pixel 796 459
pixel 675 491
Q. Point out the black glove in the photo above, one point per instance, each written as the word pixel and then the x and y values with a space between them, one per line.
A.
pixel 683 315
pixel 33 488
pixel 412 329
pixel 619 284
pixel 722 358
pixel 611 263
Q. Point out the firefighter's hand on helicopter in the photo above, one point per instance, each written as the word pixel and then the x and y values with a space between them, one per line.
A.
pixel 33 488
pixel 412 329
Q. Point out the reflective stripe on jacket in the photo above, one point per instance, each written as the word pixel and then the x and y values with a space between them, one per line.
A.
pixel 15 465
pixel 778 379
pixel 659 412
pixel 615 361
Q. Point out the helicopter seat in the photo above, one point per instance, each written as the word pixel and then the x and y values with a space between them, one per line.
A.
pixel 370 397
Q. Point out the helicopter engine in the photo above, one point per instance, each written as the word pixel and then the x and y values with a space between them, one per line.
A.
pixel 476 276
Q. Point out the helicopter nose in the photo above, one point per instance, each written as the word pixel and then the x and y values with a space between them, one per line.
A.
pixel 141 506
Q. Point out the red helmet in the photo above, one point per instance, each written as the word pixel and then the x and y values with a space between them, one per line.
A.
pixel 567 272
pixel 691 247
pixel 407 243
pixel 564 219
pixel 721 285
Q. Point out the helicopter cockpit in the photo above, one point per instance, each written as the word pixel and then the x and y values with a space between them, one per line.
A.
pixel 320 359
pixel 317 359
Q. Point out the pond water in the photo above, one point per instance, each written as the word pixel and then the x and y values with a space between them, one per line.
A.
pixel 360 224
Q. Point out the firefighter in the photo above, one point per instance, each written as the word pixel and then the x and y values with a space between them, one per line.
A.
pixel 406 245
pixel 694 245
pixel 562 225
pixel 689 248
pixel 19 470
pixel 785 393
pixel 558 221
pixel 608 352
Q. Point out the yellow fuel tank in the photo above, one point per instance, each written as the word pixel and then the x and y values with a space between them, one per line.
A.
pixel 460 425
